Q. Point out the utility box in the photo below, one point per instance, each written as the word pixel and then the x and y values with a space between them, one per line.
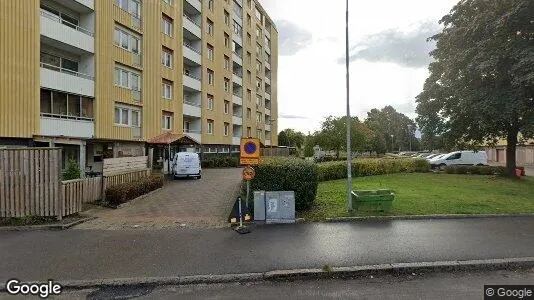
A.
pixel 373 200
pixel 274 207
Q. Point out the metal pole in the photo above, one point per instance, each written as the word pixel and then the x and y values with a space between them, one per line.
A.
pixel 240 214
pixel 248 191
pixel 349 152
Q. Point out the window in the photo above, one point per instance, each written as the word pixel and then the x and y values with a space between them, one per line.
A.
pixel 209 28
pixel 127 116
pixel 167 89
pixel 259 16
pixel 64 104
pixel 258 66
pixel 238 30
pixel 54 62
pixel 249 77
pixel 226 107
pixel 226 62
pixel 166 25
pixel 168 2
pixel 249 39
pixel 210 102
pixel 249 95
pixel 259 134
pixel 249 19
pixel 226 133
pixel 166 120
pixel 455 156
pixel 226 40
pixel 131 6
pixel 210 127
pixel 226 18
pixel 226 84
pixel 249 58
pixel 127 79
pixel 211 77
pixel 249 113
pixel 258 101
pixel 267 42
pixel 166 57
pixel 210 52
pixel 258 84
pixel 258 32
pixel 259 50
pixel 249 132
pixel 210 5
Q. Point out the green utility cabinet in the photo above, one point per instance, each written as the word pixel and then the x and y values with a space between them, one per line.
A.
pixel 373 200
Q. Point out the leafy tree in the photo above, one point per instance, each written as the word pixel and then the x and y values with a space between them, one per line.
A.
pixel 309 143
pixel 72 170
pixel 282 138
pixel 386 123
pixel 481 83
pixel 291 138
pixel 333 135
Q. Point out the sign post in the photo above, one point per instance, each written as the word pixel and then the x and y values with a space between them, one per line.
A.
pixel 249 155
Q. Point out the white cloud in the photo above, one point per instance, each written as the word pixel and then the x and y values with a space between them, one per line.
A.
pixel 311 83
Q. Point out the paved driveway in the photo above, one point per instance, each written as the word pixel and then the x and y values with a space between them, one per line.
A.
pixel 184 202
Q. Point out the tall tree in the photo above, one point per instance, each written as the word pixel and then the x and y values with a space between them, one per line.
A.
pixel 333 134
pixel 481 83
pixel 393 130
pixel 291 138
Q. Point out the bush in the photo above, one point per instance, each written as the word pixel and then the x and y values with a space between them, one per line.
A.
pixel 371 166
pixel 462 169
pixel 288 174
pixel 72 170
pixel 124 192
pixel 219 161
pixel 475 170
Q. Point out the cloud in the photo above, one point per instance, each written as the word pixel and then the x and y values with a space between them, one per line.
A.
pixel 289 116
pixel 407 49
pixel 291 38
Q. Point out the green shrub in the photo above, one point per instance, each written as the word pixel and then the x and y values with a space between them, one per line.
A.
pixel 125 192
pixel 72 170
pixel 220 161
pixel 288 174
pixel 450 169
pixel 371 166
pixel 475 170
pixel 462 169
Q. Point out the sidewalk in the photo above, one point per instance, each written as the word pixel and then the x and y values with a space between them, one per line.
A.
pixel 102 254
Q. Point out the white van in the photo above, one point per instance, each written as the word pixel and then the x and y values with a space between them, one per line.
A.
pixel 460 158
pixel 186 164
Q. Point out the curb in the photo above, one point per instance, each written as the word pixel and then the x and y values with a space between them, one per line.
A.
pixel 335 272
pixel 46 227
pixel 426 217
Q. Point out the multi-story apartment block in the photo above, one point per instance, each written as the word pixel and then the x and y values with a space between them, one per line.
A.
pixel 103 78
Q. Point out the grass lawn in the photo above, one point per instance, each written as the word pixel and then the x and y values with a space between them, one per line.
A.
pixel 431 193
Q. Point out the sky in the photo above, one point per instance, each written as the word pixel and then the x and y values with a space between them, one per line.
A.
pixel 387 48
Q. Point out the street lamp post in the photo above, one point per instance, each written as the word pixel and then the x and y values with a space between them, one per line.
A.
pixel 349 152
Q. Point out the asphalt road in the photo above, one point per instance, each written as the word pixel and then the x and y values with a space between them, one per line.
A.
pixel 96 254
pixel 419 286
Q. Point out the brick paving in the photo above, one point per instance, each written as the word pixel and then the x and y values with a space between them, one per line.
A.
pixel 180 203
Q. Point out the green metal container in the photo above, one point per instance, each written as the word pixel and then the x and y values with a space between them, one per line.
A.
pixel 373 200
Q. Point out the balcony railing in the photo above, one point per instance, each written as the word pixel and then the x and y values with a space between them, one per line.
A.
pixel 58 19
pixel 190 19
pixel 192 48
pixel 67 71
pixel 240 95
pixel 239 115
pixel 192 130
pixel 192 76
pixel 238 54
pixel 58 116
pixel 238 74
pixel 193 103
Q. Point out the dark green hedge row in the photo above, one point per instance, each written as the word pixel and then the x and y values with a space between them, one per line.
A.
pixel 371 166
pixel 220 161
pixel 125 192
pixel 478 170
pixel 288 174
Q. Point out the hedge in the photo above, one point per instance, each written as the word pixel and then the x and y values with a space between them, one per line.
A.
pixel 288 174
pixel 475 170
pixel 219 161
pixel 125 192
pixel 371 166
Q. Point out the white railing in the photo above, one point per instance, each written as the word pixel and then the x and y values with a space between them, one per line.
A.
pixel 193 103
pixel 58 19
pixel 239 115
pixel 238 74
pixel 59 116
pixel 238 55
pixel 192 76
pixel 67 71
pixel 192 48
pixel 192 131
pixel 192 21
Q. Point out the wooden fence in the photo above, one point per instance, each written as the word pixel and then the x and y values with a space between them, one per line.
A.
pixel 29 182
pixel 120 165
pixel 114 179
pixel 78 191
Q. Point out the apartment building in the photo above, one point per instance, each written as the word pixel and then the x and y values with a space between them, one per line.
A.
pixel 104 78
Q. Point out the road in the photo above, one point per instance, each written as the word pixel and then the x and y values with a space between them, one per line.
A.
pixel 461 285
pixel 101 254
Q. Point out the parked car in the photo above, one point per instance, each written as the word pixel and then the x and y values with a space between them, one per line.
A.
pixel 432 156
pixel 478 158
pixel 186 164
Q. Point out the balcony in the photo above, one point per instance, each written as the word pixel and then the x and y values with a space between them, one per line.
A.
pixel 237 79
pixel 267 111
pixel 237 120
pixel 267 96
pixel 236 99
pixel 192 109
pixel 87 3
pixel 192 82
pixel 237 58
pixel 196 4
pixel 192 54
pixel 238 39
pixel 268 127
pixel 267 142
pixel 236 140
pixel 195 134
pixel 55 125
pixel 55 28
pixel 267 80
pixel 192 26
pixel 268 49
pixel 61 79
pixel 267 64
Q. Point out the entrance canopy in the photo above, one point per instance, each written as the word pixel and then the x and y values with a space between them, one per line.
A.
pixel 169 138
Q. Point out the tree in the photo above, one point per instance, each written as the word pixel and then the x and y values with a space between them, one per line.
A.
pixel 481 83
pixel 309 143
pixel 282 138
pixel 291 138
pixel 72 171
pixel 333 134
pixel 392 130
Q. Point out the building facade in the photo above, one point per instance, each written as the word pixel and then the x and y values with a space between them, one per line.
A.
pixel 100 78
